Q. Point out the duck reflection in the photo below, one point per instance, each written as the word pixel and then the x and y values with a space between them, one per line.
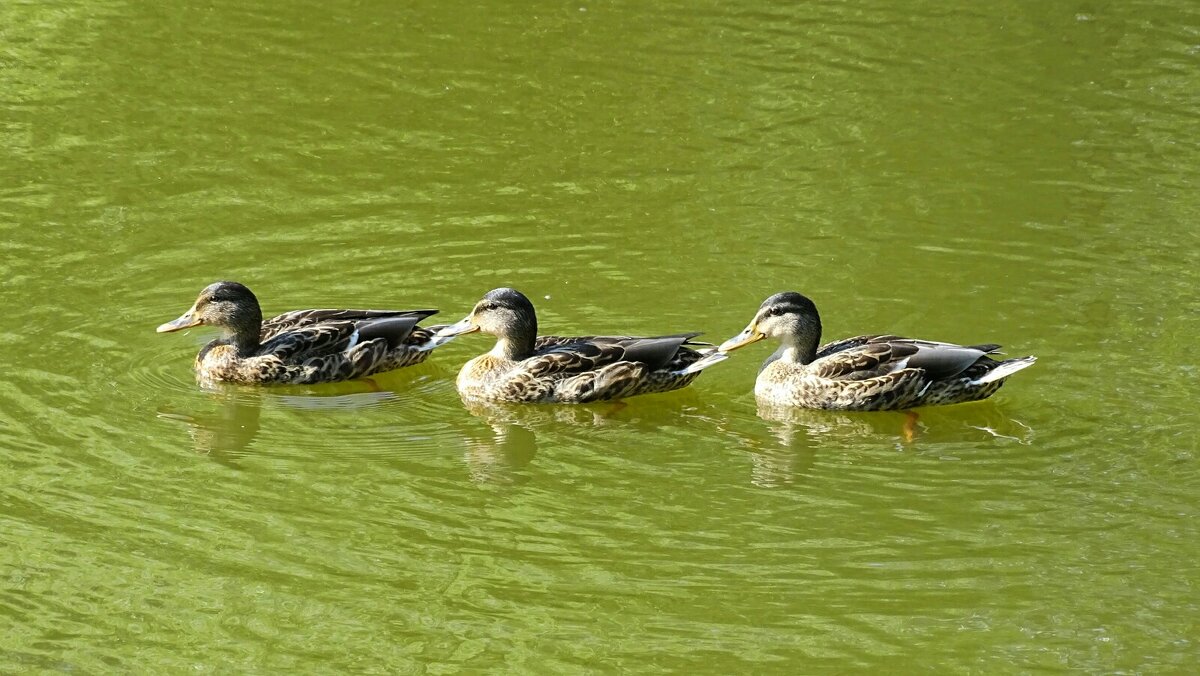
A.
pixel 801 427
pixel 966 422
pixel 511 446
pixel 800 433
pixel 515 428
pixel 227 430
pixel 774 465
pixel 974 422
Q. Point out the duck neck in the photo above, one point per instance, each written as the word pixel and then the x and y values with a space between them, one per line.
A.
pixel 244 339
pixel 515 347
pixel 800 347
pixel 797 353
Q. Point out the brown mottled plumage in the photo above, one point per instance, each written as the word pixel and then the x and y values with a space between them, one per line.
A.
pixel 524 367
pixel 300 347
pixel 864 373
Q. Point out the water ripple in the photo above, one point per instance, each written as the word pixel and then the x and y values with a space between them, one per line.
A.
pixel 1014 172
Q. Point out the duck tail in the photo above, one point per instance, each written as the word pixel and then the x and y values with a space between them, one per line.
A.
pixel 1004 370
pixel 710 357
pixel 434 339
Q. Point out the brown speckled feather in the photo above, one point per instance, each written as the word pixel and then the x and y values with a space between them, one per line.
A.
pixel 296 319
pixel 318 346
pixel 580 369
pixel 868 373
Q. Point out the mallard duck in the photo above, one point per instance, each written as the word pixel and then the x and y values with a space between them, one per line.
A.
pixel 864 373
pixel 300 347
pixel 526 367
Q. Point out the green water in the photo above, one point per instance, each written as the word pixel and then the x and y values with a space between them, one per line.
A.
pixel 1015 172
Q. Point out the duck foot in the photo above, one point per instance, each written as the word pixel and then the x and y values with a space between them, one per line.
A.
pixel 909 430
pixel 612 409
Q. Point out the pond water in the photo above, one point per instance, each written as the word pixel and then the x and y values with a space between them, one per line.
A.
pixel 1014 172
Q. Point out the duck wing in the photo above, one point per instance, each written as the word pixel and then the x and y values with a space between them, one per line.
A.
pixel 315 340
pixel 568 355
pixel 867 357
pixel 304 318
pixel 848 343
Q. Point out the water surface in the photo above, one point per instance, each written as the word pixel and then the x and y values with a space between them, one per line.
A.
pixel 1019 172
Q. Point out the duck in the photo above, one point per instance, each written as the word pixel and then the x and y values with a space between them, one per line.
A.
pixel 527 368
pixel 301 347
pixel 864 373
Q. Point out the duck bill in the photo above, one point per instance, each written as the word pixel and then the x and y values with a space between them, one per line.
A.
pixel 188 320
pixel 748 335
pixel 463 327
